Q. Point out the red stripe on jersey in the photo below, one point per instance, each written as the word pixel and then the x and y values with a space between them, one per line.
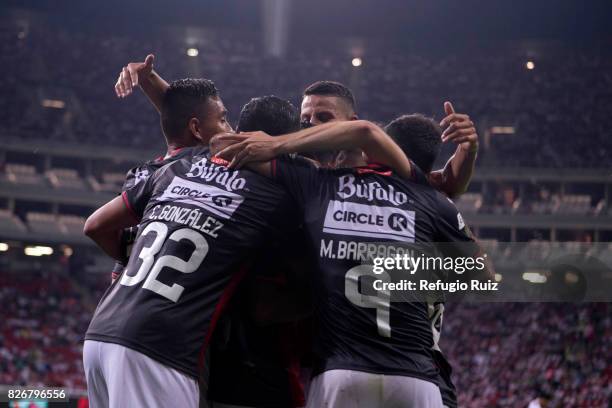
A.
pixel 124 197
pixel 374 168
pixel 221 305
pixel 291 337
pixel 169 154
pixel 273 168
pixel 175 151
pixel 218 160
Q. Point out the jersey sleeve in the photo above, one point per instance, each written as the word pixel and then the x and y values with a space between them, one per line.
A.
pixel 130 179
pixel 137 197
pixel 297 175
pixel 453 234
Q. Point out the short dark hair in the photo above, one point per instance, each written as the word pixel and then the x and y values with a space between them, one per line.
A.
pixel 332 88
pixel 182 100
pixel 269 114
pixel 419 137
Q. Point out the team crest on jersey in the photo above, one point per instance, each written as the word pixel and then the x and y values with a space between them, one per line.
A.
pixel 219 202
pixel 207 170
pixel 460 222
pixel 354 219
pixel 141 174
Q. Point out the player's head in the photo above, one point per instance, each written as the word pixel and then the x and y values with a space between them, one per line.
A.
pixel 269 114
pixel 327 101
pixel 419 137
pixel 192 112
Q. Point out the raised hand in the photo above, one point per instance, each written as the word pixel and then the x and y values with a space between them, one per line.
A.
pixel 458 128
pixel 132 74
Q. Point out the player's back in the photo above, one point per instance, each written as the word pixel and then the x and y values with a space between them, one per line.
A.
pixel 199 224
pixel 352 216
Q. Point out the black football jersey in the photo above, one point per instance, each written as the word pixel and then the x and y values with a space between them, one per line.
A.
pixel 137 175
pixel 256 361
pixel 199 222
pixel 347 213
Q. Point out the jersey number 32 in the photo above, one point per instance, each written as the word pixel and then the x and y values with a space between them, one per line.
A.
pixel 150 268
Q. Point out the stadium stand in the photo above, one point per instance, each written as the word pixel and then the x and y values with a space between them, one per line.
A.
pixel 9 222
pixel 492 85
pixel 22 174
pixel 65 178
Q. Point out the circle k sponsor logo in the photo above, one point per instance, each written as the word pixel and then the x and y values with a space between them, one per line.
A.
pixel 398 222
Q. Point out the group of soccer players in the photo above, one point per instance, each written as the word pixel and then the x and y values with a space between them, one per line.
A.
pixel 242 258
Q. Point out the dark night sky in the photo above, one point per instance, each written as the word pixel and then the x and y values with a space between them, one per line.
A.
pixel 444 20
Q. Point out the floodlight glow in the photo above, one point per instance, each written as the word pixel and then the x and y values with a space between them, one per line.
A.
pixel 38 250
pixel 3 247
pixel 534 277
pixel 356 62
pixel 53 103
pixel 192 52
pixel 530 65
pixel 502 130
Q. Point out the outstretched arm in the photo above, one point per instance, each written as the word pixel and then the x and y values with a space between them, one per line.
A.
pixel 142 73
pixel 455 177
pixel 259 147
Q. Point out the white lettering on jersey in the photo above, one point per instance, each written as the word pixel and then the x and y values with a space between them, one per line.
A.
pixel 209 171
pixel 348 187
pixel 353 219
pixel 211 198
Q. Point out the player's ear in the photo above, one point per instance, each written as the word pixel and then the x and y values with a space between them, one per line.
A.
pixel 194 129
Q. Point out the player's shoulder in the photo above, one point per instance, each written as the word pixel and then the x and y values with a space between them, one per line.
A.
pixel 434 199
pixel 442 203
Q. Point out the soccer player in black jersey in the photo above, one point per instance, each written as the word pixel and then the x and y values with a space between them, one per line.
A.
pixel 199 222
pixel 255 354
pixel 138 325
pixel 369 351
pixel 419 136
pixel 209 118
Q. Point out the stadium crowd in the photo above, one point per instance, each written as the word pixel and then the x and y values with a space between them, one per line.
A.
pixel 44 317
pixel 558 110
pixel 514 352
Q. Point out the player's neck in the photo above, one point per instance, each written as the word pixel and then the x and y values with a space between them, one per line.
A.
pixel 174 145
pixel 352 159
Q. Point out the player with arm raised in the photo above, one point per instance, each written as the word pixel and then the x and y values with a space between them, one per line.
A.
pixel 198 221
pixel 329 101
pixel 212 119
